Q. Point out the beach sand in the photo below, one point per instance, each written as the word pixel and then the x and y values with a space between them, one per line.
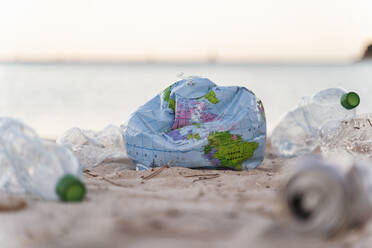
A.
pixel 171 209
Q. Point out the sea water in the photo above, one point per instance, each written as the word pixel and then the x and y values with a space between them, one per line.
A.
pixel 53 97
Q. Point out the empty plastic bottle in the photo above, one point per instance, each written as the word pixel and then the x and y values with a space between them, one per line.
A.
pixel 43 169
pixel 8 179
pixel 326 196
pixel 97 148
pixel 298 131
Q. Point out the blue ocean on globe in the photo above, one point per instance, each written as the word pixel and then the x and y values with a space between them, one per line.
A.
pixel 194 123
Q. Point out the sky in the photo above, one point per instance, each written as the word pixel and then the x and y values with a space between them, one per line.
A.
pixel 247 30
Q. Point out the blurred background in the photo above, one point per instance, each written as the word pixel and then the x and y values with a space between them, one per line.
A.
pixel 90 63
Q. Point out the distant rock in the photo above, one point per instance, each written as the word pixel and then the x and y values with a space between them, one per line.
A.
pixel 368 52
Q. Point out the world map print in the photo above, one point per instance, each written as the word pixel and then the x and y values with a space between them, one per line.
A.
pixel 228 150
pixel 196 124
pixel 192 111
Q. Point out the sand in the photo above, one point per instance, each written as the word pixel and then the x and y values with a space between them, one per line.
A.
pixel 171 209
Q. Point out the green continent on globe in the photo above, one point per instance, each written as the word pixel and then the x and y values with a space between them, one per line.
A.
pixel 211 97
pixel 193 136
pixel 166 97
pixel 230 150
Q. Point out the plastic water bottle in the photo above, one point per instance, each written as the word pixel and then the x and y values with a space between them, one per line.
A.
pixel 43 169
pixel 8 179
pixel 96 148
pixel 325 196
pixel 298 131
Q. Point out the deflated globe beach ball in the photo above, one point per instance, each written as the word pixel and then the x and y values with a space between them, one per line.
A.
pixel 194 123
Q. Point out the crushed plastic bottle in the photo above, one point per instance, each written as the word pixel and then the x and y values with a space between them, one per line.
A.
pixel 8 179
pixel 325 196
pixel 353 136
pixel 97 148
pixel 43 169
pixel 298 131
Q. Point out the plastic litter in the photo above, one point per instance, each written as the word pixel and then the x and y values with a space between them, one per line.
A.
pixel 196 124
pixel 31 165
pixel 97 148
pixel 297 133
pixel 8 179
pixel 326 196
pixel 352 136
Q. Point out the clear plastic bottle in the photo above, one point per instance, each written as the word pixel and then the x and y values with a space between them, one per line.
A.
pixel 324 196
pixel 298 131
pixel 96 148
pixel 8 179
pixel 43 169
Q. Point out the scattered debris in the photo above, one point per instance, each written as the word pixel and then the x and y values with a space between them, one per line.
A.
pixel 203 175
pixel 328 196
pixel 11 203
pixel 32 165
pixel 93 174
pixel 90 173
pixel 205 178
pixel 298 132
pixel 155 173
pixel 97 148
pixel 263 169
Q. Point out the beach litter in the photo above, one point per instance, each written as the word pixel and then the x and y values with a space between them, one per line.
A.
pixel 352 136
pixel 326 196
pixel 10 203
pixel 97 148
pixel 155 173
pixel 34 166
pixel 94 174
pixel 196 124
pixel 298 132
pixel 205 177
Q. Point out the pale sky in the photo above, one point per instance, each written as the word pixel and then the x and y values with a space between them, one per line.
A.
pixel 255 30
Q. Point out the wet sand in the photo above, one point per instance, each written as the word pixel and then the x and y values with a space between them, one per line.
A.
pixel 175 208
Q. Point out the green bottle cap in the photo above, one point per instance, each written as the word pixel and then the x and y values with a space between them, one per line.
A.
pixel 70 189
pixel 350 100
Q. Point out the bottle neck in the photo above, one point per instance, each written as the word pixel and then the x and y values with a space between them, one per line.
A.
pixel 70 189
pixel 350 100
